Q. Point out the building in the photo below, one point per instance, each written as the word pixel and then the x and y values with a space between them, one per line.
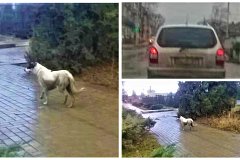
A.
pixel 139 22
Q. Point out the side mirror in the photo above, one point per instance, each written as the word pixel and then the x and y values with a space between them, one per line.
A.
pixel 151 40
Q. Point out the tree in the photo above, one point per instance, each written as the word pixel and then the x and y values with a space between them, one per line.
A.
pixel 63 37
pixel 170 100
pixel 206 98
pixel 134 94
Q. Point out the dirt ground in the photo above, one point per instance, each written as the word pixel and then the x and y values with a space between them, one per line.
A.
pixel 105 74
pixel 91 127
pixel 88 129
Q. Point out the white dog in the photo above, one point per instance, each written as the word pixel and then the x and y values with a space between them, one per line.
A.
pixel 48 80
pixel 186 121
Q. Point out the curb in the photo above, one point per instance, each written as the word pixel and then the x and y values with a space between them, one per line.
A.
pixel 7 45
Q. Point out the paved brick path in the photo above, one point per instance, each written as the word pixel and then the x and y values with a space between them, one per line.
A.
pixel 12 56
pixel 18 112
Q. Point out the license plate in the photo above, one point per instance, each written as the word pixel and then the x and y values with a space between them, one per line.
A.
pixel 187 61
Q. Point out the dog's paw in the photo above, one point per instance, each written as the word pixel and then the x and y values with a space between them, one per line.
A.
pixel 70 105
pixel 83 89
pixel 45 103
pixel 40 107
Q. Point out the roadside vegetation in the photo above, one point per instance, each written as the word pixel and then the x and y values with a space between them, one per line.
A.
pixel 137 141
pixel 227 122
pixel 210 103
pixel 11 151
pixel 150 103
pixel 204 99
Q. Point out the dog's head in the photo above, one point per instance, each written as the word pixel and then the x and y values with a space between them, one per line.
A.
pixel 30 67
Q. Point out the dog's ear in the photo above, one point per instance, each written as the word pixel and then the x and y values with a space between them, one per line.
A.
pixel 29 58
pixel 33 64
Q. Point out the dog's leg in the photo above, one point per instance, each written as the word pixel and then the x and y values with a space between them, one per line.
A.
pixel 46 97
pixel 66 97
pixel 41 96
pixel 182 126
pixel 63 91
pixel 73 101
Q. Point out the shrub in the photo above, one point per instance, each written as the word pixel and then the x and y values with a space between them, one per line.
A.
pixel 137 141
pixel 65 38
pixel 167 151
pixel 134 128
pixel 236 47
pixel 10 151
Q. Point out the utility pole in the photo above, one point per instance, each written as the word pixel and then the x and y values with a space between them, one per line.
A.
pixel 227 28
pixel 187 17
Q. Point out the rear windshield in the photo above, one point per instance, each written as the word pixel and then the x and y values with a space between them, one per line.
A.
pixel 187 37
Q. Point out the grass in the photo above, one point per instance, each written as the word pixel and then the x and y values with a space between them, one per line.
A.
pixel 10 151
pixel 137 140
pixel 167 151
pixel 102 74
pixel 149 147
pixel 143 148
pixel 225 122
pixel 236 108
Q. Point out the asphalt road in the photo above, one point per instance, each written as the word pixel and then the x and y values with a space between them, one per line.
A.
pixel 135 62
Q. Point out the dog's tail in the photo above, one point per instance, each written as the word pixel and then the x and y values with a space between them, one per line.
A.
pixel 73 88
pixel 192 124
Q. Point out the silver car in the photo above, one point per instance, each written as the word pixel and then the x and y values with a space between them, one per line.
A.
pixel 186 51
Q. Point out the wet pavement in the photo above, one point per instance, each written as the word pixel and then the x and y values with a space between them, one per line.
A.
pixel 18 111
pixel 10 41
pixel 12 55
pixel 90 129
pixel 135 62
pixel 201 141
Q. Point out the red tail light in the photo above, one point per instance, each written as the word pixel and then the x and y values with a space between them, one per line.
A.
pixel 153 55
pixel 220 57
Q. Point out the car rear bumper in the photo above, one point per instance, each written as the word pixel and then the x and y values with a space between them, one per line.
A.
pixel 154 72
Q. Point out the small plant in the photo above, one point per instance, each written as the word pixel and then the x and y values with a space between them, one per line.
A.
pixel 236 47
pixel 10 151
pixel 137 141
pixel 167 151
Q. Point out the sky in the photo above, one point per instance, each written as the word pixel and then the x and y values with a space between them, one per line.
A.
pixel 160 86
pixel 176 13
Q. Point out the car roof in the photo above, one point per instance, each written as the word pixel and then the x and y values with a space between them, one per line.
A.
pixel 187 25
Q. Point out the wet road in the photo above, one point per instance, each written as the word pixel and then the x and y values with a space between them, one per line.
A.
pixel 90 129
pixel 135 62
pixel 202 141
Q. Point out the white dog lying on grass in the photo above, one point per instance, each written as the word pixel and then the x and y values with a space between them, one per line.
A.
pixel 48 80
